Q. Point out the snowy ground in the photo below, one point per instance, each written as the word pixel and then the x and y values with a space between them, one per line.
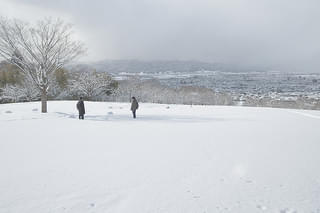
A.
pixel 171 159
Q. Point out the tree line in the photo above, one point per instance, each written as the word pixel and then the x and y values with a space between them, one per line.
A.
pixel 64 85
pixel 101 86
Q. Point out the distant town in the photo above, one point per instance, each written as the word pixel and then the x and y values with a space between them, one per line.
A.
pixel 265 88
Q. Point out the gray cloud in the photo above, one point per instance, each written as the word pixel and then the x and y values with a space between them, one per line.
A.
pixel 279 34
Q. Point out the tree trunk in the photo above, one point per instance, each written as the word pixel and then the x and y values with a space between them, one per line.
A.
pixel 44 99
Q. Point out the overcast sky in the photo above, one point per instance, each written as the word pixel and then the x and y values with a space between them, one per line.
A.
pixel 279 34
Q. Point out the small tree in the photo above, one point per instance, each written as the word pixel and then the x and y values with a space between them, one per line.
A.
pixel 23 91
pixel 38 50
pixel 93 84
pixel 130 87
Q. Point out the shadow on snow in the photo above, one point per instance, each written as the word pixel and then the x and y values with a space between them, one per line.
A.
pixel 171 118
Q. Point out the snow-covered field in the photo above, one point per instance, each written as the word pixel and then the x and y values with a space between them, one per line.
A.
pixel 170 159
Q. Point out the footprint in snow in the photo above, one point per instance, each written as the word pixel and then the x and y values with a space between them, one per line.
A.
pixel 8 111
pixel 261 207
pixel 288 210
pixel 193 196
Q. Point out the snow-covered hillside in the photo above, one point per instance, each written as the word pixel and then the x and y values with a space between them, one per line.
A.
pixel 170 159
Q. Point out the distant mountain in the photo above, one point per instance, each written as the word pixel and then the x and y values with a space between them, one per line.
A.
pixel 136 66
pixel 152 66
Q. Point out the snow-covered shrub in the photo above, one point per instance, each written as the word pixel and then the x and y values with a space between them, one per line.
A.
pixel 93 85
pixel 25 91
pixel 153 91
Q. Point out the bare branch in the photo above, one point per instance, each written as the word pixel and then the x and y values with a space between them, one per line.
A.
pixel 38 50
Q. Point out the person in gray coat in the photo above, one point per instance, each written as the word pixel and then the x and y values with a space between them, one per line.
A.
pixel 81 109
pixel 134 106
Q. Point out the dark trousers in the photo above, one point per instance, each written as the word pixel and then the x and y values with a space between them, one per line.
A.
pixel 134 113
pixel 81 117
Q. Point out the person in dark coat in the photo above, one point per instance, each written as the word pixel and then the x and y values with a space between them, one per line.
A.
pixel 80 107
pixel 134 106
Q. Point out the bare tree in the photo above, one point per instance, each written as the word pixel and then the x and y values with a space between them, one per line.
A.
pixel 38 50
pixel 130 87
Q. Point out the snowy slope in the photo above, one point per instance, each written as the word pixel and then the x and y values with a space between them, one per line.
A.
pixel 171 159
